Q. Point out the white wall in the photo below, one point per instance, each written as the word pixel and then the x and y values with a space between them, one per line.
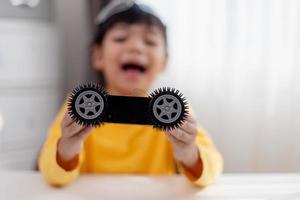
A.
pixel 43 54
pixel 30 74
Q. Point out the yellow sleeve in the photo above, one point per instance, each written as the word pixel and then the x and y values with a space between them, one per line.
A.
pixel 212 161
pixel 50 170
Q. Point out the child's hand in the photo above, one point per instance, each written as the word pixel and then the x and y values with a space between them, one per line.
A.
pixel 183 140
pixel 72 137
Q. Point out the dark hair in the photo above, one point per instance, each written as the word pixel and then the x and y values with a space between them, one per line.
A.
pixel 131 16
pixel 134 15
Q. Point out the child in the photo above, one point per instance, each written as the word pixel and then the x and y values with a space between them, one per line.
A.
pixel 130 51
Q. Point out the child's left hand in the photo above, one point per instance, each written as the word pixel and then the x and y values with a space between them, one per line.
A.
pixel 184 142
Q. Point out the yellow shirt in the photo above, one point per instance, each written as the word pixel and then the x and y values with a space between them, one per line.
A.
pixel 124 148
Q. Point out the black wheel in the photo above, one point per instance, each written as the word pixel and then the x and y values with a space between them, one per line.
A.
pixel 168 108
pixel 87 104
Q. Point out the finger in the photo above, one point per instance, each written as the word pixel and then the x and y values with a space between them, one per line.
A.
pixel 83 133
pixel 72 129
pixel 190 128
pixel 67 120
pixel 191 119
pixel 173 139
pixel 181 135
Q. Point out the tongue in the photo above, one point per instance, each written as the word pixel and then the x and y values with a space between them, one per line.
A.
pixel 132 74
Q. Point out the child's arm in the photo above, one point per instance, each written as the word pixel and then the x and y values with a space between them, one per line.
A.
pixel 196 154
pixel 62 154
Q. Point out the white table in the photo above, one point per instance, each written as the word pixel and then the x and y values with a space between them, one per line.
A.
pixel 29 185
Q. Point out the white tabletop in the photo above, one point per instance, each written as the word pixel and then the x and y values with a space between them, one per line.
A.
pixel 29 185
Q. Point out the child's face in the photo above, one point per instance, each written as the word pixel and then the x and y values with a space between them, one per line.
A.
pixel 131 56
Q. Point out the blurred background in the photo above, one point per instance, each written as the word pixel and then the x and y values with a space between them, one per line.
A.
pixel 237 61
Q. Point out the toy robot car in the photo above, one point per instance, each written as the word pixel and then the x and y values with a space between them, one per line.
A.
pixel 90 105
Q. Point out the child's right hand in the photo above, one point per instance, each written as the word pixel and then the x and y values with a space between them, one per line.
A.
pixel 72 138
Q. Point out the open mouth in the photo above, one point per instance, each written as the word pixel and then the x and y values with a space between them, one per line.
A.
pixel 134 67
